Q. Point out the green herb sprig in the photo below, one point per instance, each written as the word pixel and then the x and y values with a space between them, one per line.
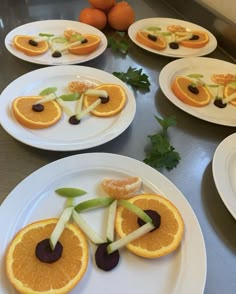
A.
pixel 161 153
pixel 117 43
pixel 134 77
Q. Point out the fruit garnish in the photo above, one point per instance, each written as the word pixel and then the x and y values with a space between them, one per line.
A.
pixel 45 253
pixel 70 97
pixel 93 203
pixel 151 40
pixel 104 260
pixel 86 228
pixel 21 42
pixel 161 154
pixel 70 192
pixel 111 221
pixel 176 28
pixel 143 230
pixel 60 226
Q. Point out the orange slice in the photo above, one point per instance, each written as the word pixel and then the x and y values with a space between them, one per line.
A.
pixel 21 42
pixel 29 275
pixel 159 242
pixel 117 100
pixel 91 45
pixel 22 110
pixel 181 91
pixel 200 42
pixel 229 91
pixel 158 44
pixel 121 188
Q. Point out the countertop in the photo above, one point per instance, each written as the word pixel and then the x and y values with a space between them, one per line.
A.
pixel 195 139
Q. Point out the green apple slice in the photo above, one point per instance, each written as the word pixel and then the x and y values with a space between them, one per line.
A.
pixel 93 203
pixel 229 98
pixel 47 98
pixel 88 109
pixel 64 107
pixel 130 237
pixel 111 221
pixel 70 192
pixel 136 210
pixel 94 92
pixel 88 231
pixel 56 233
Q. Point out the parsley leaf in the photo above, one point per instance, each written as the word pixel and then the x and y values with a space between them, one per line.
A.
pixel 117 43
pixel 161 154
pixel 135 78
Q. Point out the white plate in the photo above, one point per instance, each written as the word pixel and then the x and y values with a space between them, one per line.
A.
pixel 57 28
pixel 205 66
pixel 92 131
pixel 224 172
pixel 163 23
pixel 183 271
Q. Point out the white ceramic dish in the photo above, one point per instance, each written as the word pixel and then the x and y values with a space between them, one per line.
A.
pixel 163 23
pixel 34 198
pixel 205 66
pixel 224 172
pixel 92 131
pixel 57 28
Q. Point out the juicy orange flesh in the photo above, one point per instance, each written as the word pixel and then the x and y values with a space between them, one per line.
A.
pixel 24 105
pixel 183 84
pixel 90 38
pixel 200 42
pixel 115 97
pixel 161 237
pixel 24 42
pixel 142 37
pixel 42 276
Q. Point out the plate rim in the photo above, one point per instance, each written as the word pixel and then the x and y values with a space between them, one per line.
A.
pixel 47 145
pixel 167 69
pixel 219 159
pixel 33 59
pixel 142 168
pixel 162 53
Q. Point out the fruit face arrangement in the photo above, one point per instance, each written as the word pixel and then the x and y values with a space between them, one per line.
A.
pixel 72 42
pixel 172 36
pixel 52 254
pixel 45 110
pixel 194 91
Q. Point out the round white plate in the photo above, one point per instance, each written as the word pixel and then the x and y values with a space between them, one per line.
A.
pixel 34 198
pixel 224 172
pixel 163 23
pixel 205 66
pixel 57 28
pixel 92 131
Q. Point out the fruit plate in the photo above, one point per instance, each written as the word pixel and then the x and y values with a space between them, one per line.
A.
pixel 224 172
pixel 163 23
pixel 205 66
pixel 57 28
pixel 63 136
pixel 182 271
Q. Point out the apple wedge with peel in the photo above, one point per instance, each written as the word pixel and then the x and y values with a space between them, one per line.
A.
pixel 111 221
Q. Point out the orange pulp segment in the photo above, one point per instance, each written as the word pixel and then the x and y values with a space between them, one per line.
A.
pixel 158 44
pixel 91 44
pixel 21 42
pixel 198 43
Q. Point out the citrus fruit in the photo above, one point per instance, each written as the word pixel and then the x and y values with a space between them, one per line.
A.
pixel 121 188
pixel 104 5
pixel 25 115
pixel 156 243
pixel 158 43
pixel 68 33
pixel 117 100
pixel 180 87
pixel 92 44
pixel 79 87
pixel 21 42
pixel 176 28
pixel 229 91
pixel 121 16
pixel 223 79
pixel 94 17
pixel 202 40
pixel 30 275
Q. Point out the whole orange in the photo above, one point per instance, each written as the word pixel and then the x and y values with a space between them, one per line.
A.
pixel 102 4
pixel 94 17
pixel 121 16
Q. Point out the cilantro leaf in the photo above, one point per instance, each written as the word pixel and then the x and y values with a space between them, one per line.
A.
pixel 161 153
pixel 135 78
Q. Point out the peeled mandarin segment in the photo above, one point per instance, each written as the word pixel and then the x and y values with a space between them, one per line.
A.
pixel 144 38
pixel 199 43
pixel 223 79
pixel 121 188
pixel 29 275
pixel 117 100
pixel 25 115
pixel 93 41
pixel 159 242
pixel 21 42
pixel 180 88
